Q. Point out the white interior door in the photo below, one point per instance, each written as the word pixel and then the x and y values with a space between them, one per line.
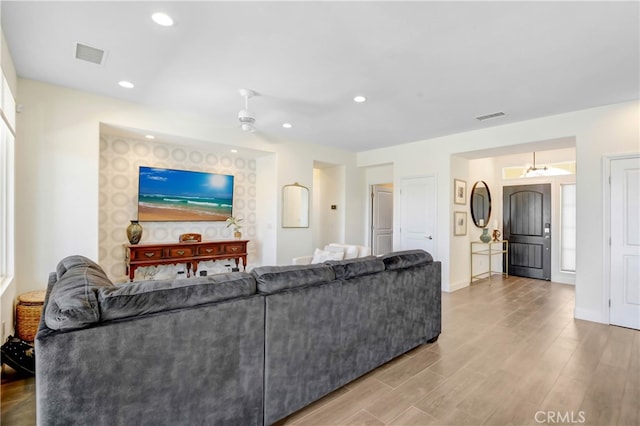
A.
pixel 625 242
pixel 381 218
pixel 418 213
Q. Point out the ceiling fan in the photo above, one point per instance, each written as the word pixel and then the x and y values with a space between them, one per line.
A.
pixel 246 119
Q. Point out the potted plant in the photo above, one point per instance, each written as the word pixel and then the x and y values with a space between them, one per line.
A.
pixel 235 222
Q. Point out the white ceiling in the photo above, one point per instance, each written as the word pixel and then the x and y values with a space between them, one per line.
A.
pixel 427 68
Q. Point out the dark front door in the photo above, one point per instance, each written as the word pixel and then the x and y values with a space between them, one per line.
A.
pixel 527 226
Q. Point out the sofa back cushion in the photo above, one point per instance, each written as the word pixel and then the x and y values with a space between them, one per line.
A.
pixel 271 279
pixel 72 301
pixel 352 268
pixel 406 258
pixel 146 297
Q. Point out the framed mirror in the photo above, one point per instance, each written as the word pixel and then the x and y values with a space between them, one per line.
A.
pixel 295 206
pixel 480 204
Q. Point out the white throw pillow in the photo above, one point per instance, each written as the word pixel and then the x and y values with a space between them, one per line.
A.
pixel 350 251
pixel 320 256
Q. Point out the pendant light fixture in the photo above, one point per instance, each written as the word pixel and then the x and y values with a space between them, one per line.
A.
pixel 534 171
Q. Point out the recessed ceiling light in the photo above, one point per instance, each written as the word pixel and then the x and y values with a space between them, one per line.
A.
pixel 126 84
pixel 162 19
pixel 359 99
pixel 234 151
pixel 149 136
pixel 287 125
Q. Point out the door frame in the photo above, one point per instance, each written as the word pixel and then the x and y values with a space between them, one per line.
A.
pixel 606 229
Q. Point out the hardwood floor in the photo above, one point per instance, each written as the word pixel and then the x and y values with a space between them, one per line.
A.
pixel 18 395
pixel 510 353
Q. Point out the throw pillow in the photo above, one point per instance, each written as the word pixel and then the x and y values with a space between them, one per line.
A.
pixel 321 256
pixel 350 251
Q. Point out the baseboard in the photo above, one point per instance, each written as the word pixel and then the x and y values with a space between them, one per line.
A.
pixel 589 315
pixel 456 286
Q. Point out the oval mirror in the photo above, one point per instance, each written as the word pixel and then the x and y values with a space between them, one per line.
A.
pixel 480 204
pixel 295 206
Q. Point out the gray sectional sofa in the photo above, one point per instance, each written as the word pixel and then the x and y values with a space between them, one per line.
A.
pixel 236 349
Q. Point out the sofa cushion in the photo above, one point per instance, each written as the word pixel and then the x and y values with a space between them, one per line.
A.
pixel 352 268
pixel 321 256
pixel 405 259
pixel 72 301
pixel 146 297
pixel 271 279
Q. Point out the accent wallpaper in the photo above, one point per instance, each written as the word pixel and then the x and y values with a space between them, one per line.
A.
pixel 120 159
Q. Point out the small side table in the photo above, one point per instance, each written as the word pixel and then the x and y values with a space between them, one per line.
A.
pixel 490 249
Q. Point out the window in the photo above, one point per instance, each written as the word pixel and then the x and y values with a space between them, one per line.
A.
pixel 568 227
pixel 7 159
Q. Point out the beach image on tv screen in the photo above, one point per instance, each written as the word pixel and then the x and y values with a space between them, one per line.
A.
pixel 180 195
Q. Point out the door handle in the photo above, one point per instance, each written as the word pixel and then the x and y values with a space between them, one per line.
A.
pixel 429 237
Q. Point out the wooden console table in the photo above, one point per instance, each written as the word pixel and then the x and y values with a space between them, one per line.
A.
pixel 187 252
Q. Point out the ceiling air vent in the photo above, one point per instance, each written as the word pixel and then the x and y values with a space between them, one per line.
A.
pixel 89 54
pixel 490 116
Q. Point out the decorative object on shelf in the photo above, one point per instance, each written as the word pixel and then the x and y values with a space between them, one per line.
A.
pixel 235 222
pixel 459 191
pixel 134 232
pixel 485 237
pixel 190 238
pixel 459 223
pixel 496 235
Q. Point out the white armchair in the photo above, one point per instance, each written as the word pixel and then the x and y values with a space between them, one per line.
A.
pixel 333 251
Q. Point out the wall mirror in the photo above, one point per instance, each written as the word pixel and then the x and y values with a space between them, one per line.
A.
pixel 295 206
pixel 480 204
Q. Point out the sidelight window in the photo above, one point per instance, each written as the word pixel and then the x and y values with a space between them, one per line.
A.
pixel 568 227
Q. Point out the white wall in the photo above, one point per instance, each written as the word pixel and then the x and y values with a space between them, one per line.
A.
pixel 597 131
pixel 328 226
pixel 58 175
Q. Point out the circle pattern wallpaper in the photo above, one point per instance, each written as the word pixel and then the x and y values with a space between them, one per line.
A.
pixel 120 159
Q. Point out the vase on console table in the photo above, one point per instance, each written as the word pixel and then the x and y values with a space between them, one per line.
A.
pixel 485 237
pixel 134 232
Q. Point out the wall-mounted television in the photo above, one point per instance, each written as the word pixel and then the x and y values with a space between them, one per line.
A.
pixel 166 195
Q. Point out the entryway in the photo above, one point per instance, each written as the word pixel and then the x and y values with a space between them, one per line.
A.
pixel 527 226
